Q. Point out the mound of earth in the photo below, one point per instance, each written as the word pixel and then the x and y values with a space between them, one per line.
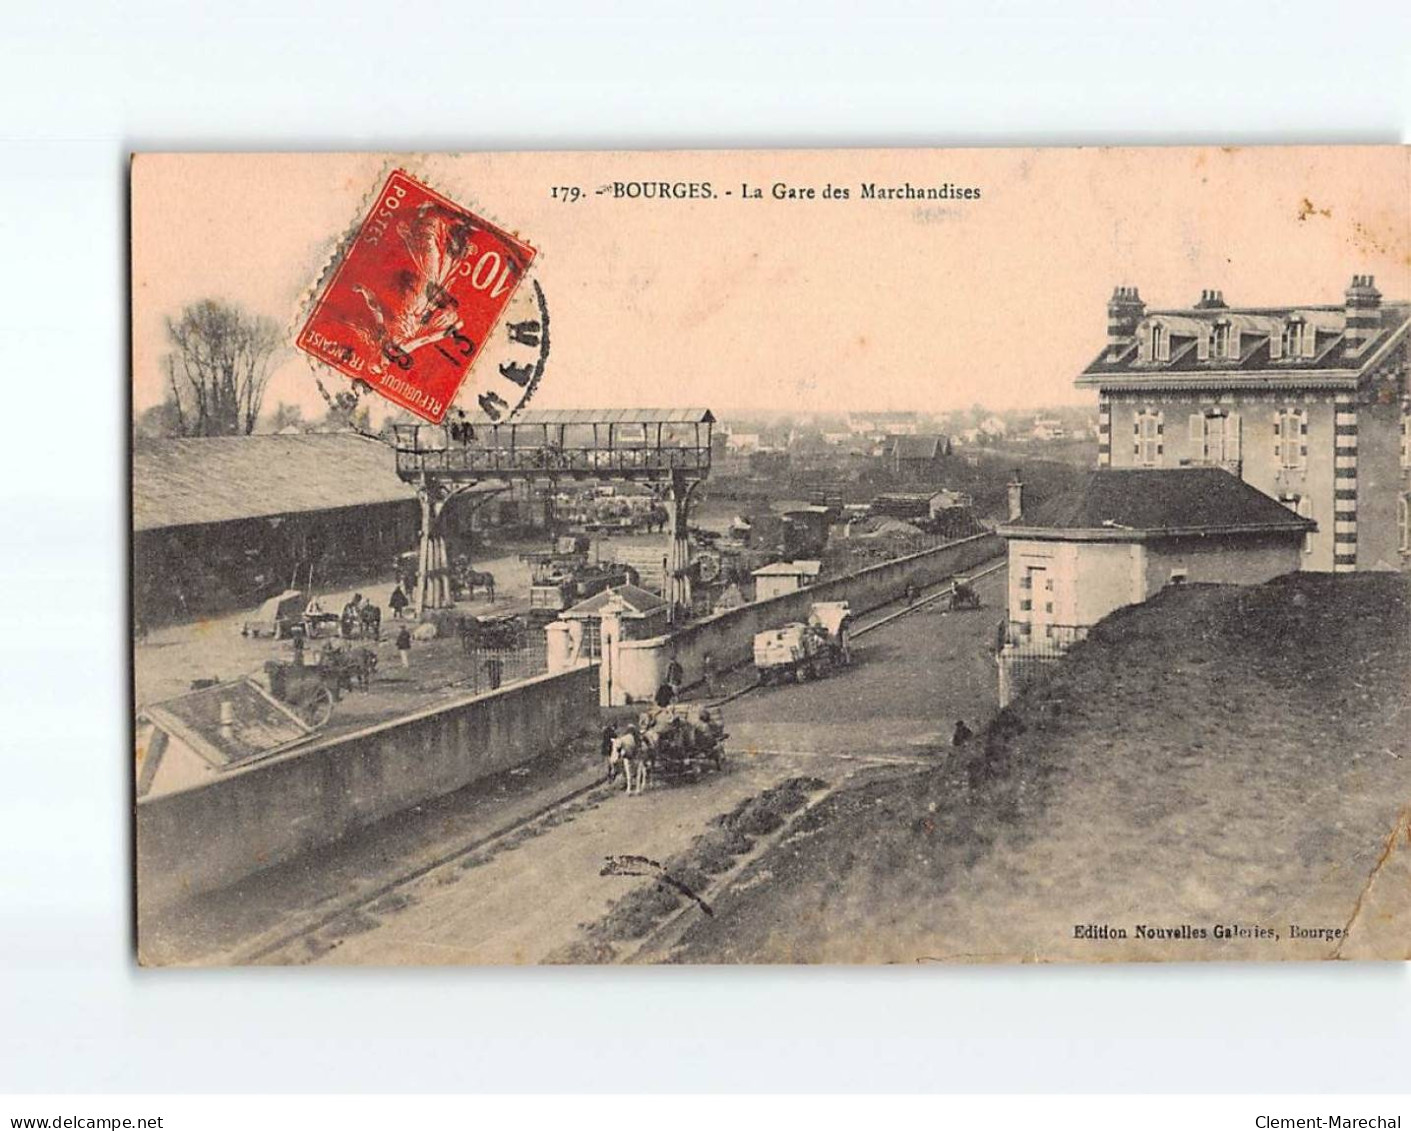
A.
pixel 1221 773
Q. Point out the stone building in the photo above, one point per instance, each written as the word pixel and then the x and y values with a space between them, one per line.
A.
pixel 1306 403
pixel 1127 535
pixel 1132 532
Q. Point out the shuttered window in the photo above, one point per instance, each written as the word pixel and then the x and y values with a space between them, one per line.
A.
pixel 1148 442
pixel 1291 438
pixel 1215 437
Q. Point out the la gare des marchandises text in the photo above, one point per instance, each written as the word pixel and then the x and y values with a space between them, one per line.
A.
pixel 777 190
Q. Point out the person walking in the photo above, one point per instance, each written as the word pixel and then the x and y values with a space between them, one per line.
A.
pixel 404 646
pixel 609 738
pixel 708 674
pixel 398 601
pixel 675 676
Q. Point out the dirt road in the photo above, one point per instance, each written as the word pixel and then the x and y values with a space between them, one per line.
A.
pixel 525 897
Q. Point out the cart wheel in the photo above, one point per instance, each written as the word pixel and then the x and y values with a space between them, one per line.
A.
pixel 319 709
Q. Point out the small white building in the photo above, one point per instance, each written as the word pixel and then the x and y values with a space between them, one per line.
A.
pixel 1132 532
pixel 1129 534
pixel 779 578
pixel 639 614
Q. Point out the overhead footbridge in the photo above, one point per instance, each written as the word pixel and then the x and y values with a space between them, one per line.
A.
pixel 668 449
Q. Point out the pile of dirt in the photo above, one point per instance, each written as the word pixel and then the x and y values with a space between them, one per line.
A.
pixel 688 874
pixel 1219 750
pixel 764 813
pixel 636 913
pixel 714 852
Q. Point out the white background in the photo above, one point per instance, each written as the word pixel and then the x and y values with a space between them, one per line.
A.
pixel 83 84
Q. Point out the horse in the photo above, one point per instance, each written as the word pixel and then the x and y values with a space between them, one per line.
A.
pixel 483 578
pixel 364 664
pixel 636 753
pixel 370 618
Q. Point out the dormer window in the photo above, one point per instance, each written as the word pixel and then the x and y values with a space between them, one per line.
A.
pixel 1158 343
pixel 1300 339
pixel 1220 340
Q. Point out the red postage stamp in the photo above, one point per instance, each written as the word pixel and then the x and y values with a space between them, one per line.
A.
pixel 416 296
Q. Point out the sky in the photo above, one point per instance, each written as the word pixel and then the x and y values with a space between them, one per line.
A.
pixel 805 305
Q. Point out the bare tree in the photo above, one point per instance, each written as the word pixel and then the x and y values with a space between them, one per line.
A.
pixel 219 367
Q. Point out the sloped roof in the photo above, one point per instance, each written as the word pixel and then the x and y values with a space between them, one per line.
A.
pixel 1333 364
pixel 1123 504
pixel 916 447
pixel 192 482
pixel 635 601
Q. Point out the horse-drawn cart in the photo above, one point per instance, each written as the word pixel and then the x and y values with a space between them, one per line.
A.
pixel 806 651
pixel 687 739
pixel 963 594
pixel 312 689
pixel 278 617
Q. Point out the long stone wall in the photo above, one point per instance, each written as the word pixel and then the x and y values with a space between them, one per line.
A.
pixel 638 667
pixel 215 834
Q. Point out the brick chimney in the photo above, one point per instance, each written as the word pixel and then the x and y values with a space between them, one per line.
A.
pixel 1211 300
pixel 1364 303
pixel 1125 310
pixel 1016 497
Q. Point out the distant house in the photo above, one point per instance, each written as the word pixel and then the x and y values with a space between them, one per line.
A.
pixel 1048 429
pixel 742 442
pixel 917 504
pixel 993 426
pixel 1131 532
pixel 779 578
pixel 884 423
pixel 916 455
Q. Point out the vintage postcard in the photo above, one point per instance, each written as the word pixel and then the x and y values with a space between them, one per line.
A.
pixel 851 556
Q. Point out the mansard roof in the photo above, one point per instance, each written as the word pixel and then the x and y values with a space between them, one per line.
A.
pixel 1330 365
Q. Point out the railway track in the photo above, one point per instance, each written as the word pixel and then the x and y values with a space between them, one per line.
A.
pixel 272 944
